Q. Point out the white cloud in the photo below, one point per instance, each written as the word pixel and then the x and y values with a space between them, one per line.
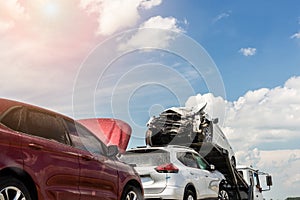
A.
pixel 248 51
pixel 158 22
pixel 283 165
pixel 13 8
pixel 215 105
pixel 146 4
pixel 221 16
pixel 296 36
pixel 259 122
pixel 156 31
pixel 118 14
pixel 6 25
pixel 10 12
pixel 293 82
pixel 266 115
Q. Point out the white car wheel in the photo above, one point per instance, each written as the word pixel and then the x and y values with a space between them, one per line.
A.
pixel 189 195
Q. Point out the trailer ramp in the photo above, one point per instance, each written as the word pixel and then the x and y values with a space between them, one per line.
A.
pixel 236 185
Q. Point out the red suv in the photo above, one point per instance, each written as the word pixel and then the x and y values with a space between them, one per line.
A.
pixel 45 155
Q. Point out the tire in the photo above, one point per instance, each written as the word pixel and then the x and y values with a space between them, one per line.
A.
pixel 13 189
pixel 189 195
pixel 132 193
pixel 223 194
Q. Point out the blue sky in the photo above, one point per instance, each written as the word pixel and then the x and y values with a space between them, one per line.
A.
pixel 130 59
pixel 223 28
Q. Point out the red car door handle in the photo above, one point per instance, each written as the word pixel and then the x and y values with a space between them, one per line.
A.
pixel 35 146
pixel 87 157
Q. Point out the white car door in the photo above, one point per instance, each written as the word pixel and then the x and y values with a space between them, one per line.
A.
pixel 257 191
pixel 194 174
pixel 211 181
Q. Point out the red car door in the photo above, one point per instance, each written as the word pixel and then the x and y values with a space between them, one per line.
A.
pixel 48 157
pixel 10 143
pixel 98 177
pixel 98 174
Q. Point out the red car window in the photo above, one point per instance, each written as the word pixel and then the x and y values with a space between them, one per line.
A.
pixel 44 125
pixel 12 118
pixel 83 139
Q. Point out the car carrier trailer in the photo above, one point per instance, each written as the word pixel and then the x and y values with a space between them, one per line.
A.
pixel 194 128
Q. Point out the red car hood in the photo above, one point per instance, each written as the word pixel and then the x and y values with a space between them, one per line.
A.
pixel 109 131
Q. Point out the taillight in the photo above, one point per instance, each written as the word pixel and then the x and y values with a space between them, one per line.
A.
pixel 167 168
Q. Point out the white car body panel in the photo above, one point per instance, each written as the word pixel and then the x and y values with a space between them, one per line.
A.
pixel 172 185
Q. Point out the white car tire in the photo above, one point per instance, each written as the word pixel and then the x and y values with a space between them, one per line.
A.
pixel 189 195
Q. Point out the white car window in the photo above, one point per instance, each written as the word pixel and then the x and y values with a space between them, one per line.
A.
pixel 146 157
pixel 201 162
pixel 187 159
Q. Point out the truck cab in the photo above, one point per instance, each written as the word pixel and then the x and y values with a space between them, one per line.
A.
pixel 253 179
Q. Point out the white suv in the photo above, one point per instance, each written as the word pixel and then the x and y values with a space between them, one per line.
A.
pixel 175 172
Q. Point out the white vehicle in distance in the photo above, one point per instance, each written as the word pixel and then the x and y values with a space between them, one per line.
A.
pixel 253 178
pixel 175 172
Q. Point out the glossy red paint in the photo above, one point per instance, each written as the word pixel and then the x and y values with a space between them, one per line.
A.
pixel 109 131
pixel 55 158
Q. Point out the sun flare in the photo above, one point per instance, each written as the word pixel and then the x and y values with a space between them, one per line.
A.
pixel 51 9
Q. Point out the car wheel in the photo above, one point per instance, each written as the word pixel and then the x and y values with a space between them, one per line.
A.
pixel 13 189
pixel 132 193
pixel 223 194
pixel 189 195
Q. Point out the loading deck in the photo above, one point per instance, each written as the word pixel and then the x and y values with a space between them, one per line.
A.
pixel 237 186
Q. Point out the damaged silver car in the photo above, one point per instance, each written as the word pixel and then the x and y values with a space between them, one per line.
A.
pixel 188 127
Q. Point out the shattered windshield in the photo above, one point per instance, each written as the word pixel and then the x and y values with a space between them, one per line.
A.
pixel 143 158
